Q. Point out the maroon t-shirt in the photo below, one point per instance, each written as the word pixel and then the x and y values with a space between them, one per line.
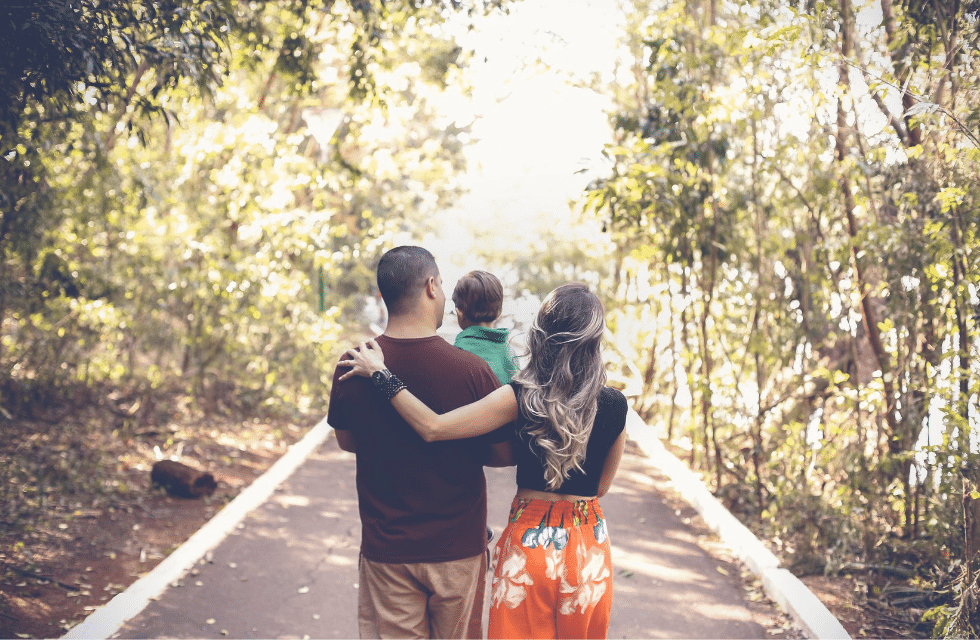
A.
pixel 419 501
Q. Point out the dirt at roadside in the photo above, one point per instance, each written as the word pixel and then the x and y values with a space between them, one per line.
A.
pixel 60 564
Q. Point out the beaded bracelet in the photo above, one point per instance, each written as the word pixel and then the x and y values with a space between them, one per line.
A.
pixel 387 383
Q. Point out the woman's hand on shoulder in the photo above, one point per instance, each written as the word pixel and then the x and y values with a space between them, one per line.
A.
pixel 363 360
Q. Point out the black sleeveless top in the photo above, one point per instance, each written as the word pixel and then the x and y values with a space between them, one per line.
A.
pixel 610 420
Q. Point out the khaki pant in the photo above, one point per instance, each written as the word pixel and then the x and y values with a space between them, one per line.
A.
pixel 422 600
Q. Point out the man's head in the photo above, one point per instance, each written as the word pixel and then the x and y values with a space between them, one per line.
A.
pixel 407 276
pixel 479 297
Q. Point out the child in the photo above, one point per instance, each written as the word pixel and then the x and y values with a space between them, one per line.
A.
pixel 478 297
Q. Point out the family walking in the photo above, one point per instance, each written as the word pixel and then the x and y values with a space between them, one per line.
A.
pixel 424 417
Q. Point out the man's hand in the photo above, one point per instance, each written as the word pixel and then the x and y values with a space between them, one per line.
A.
pixel 363 360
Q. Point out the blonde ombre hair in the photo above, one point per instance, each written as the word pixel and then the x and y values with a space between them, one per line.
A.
pixel 563 378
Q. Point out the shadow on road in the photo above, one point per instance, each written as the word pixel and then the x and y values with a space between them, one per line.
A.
pixel 290 568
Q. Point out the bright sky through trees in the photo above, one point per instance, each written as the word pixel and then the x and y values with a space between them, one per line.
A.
pixel 534 129
pixel 538 128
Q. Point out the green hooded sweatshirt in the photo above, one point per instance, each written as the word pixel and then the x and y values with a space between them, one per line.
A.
pixel 491 345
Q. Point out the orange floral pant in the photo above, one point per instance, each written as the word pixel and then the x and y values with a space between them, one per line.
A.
pixel 552 572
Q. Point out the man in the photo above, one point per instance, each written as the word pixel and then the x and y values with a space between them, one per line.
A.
pixel 423 506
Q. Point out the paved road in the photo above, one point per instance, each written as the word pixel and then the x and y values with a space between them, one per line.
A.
pixel 290 568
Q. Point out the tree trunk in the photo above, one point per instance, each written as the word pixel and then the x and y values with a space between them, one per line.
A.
pixel 901 69
pixel 712 450
pixel 757 442
pixel 675 386
pixel 685 337
pixel 868 314
pixel 971 507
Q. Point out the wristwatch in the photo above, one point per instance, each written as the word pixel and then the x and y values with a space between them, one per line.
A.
pixel 381 377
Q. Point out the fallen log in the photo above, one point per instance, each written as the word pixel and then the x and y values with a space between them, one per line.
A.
pixel 181 480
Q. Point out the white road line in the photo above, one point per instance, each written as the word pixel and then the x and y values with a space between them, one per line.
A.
pixel 108 619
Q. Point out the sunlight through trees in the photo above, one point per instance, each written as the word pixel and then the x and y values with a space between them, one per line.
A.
pixel 792 186
pixel 784 228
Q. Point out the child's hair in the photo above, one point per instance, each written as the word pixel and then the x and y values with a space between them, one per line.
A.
pixel 480 296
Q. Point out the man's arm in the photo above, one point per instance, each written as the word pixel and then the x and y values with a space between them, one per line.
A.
pixel 345 439
pixel 342 397
pixel 500 454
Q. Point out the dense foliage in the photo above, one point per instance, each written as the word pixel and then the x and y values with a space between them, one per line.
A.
pixel 193 192
pixel 794 190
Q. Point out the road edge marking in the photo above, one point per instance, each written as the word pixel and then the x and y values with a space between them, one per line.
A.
pixel 785 589
pixel 110 617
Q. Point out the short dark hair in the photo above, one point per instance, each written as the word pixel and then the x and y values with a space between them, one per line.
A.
pixel 480 296
pixel 402 273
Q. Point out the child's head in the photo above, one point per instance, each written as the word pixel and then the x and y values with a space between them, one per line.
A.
pixel 479 296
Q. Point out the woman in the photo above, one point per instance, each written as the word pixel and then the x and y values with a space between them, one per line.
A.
pixel 553 572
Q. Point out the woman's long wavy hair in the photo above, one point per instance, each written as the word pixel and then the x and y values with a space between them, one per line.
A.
pixel 563 378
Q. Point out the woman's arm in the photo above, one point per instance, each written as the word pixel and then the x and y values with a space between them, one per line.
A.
pixel 612 465
pixel 477 418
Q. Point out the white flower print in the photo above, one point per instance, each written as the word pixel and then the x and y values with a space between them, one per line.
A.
pixel 510 585
pixel 542 536
pixel 559 538
pixel 555 569
pixel 532 538
pixel 554 560
pixel 592 583
pixel 600 531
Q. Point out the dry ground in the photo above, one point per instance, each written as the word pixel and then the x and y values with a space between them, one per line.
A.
pixel 80 519
pixel 845 596
pixel 66 553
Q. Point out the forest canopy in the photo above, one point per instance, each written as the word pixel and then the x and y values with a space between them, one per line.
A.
pixel 193 195
pixel 793 197
pixel 192 191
